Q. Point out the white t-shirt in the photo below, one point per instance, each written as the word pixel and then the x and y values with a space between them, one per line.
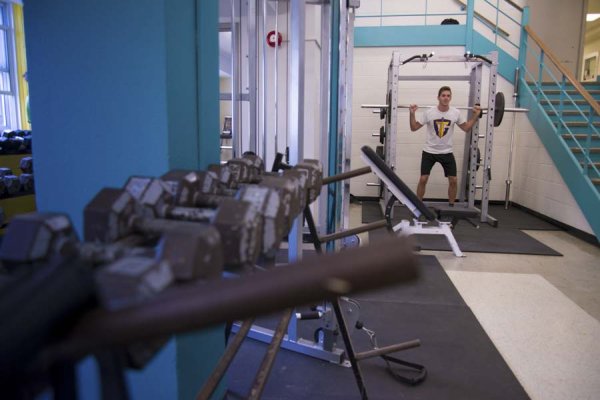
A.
pixel 440 129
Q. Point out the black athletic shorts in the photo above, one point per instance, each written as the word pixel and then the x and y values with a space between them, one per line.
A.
pixel 447 160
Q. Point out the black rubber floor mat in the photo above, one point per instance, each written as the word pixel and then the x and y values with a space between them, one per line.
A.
pixel 506 238
pixel 461 360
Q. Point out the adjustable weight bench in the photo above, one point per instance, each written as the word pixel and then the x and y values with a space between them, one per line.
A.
pixel 433 225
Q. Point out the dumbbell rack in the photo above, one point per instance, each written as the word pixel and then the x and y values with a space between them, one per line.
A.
pixel 468 184
pixel 18 204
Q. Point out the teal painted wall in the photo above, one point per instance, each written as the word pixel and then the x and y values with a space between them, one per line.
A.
pixel 97 77
pixel 433 35
pixel 115 88
pixel 395 36
pixel 506 63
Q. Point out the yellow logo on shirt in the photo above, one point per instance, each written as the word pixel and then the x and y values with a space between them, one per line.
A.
pixel 441 126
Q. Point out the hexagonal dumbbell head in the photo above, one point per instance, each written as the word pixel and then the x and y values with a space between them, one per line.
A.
pixel 11 184
pixel 131 280
pixel 224 174
pixel 267 202
pixel 5 171
pixel 314 170
pixel 286 188
pixel 192 253
pixel 186 186
pixel 152 195
pixel 243 170
pixel 108 216
pixel 301 179
pixel 38 237
pixel 240 226
pixel 26 165
pixel 26 182
pixel 258 165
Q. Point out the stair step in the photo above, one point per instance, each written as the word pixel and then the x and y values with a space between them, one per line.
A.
pixel 595 164
pixel 576 124
pixel 569 91
pixel 569 113
pixel 579 102
pixel 593 150
pixel 579 136
pixel 587 83
pixel 596 181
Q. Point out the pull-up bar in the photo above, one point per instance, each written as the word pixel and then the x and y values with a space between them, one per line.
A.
pixel 467 57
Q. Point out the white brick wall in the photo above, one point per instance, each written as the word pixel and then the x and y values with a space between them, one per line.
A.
pixel 537 184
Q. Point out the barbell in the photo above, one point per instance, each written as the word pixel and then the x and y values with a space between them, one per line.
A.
pixel 499 108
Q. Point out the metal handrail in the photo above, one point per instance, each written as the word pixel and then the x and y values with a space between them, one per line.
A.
pixel 567 99
pixel 568 74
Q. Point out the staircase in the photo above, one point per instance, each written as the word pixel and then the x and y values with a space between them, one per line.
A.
pixel 575 129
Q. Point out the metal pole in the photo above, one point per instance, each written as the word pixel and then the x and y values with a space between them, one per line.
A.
pixel 236 79
pixel 324 106
pixel 489 137
pixel 347 138
pixel 263 36
pixel 276 75
pixel 512 141
pixel 252 19
pixel 346 175
pixel 360 229
pixel 296 109
pixel 217 375
pixel 269 359
pixel 510 156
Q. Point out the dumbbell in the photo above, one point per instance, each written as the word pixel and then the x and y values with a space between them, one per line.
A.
pixel 189 189
pixel 312 167
pixel 239 220
pixel 114 214
pixel 190 252
pixel 249 169
pixel 126 276
pixel 12 145
pixel 26 165
pixel 224 178
pixel 290 186
pixel 11 182
pixel 314 171
pixel 26 183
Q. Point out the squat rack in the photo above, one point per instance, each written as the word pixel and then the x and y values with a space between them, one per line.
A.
pixel 468 183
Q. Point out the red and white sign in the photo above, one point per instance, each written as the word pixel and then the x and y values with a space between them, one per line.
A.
pixel 271 38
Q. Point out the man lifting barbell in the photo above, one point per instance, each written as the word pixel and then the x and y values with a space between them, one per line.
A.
pixel 440 123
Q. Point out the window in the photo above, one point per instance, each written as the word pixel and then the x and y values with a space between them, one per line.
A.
pixel 8 80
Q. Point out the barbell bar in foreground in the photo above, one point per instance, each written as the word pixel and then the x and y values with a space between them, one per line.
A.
pixel 196 306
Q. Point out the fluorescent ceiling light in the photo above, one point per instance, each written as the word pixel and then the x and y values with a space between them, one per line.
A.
pixel 591 17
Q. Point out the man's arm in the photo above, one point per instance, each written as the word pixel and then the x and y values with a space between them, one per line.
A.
pixel 466 126
pixel 414 125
